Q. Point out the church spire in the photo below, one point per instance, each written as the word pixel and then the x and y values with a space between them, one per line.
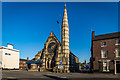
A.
pixel 65 39
pixel 65 19
pixel 65 6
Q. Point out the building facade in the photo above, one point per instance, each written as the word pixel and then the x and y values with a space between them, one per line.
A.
pixel 51 56
pixel 105 52
pixel 22 64
pixel 56 55
pixel 9 57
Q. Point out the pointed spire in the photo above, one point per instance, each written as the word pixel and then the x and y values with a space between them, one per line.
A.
pixel 65 19
pixel 65 6
pixel 51 34
pixel 52 31
pixel 65 39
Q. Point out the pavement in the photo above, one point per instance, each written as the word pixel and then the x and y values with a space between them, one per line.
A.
pixel 30 75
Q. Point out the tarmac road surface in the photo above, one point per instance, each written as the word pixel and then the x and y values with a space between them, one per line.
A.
pixel 30 75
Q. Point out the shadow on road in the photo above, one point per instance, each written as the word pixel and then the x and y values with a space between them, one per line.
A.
pixel 9 79
pixel 54 77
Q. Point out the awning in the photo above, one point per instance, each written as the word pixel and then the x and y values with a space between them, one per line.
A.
pixel 34 62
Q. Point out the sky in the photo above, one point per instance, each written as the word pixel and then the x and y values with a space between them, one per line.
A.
pixel 27 25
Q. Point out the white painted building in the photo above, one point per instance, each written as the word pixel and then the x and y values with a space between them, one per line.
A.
pixel 9 57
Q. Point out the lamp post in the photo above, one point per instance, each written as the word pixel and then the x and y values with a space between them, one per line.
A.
pixel 61 46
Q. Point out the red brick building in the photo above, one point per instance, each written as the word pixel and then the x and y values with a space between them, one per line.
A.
pixel 22 63
pixel 105 52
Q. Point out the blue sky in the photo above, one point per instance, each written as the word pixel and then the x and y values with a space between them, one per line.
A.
pixel 28 25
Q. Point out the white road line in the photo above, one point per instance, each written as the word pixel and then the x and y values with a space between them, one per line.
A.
pixel 63 77
pixel 11 77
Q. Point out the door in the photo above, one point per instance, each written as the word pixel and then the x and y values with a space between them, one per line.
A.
pixel 118 67
pixel 100 66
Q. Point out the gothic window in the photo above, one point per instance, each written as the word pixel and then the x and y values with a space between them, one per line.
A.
pixel 51 47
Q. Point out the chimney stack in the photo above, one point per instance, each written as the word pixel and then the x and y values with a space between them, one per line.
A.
pixel 93 34
pixel 85 61
pixel 10 46
pixel 27 58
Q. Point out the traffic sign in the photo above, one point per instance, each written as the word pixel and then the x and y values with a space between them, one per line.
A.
pixel 60 62
pixel 60 66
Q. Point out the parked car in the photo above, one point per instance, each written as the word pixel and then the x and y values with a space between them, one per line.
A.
pixel 85 69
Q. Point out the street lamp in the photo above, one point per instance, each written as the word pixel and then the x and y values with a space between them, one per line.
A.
pixel 61 46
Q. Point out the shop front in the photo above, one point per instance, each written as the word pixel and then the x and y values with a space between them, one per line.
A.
pixel 34 65
pixel 117 66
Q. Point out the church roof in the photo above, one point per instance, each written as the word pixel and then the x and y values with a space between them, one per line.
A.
pixel 52 35
pixel 39 52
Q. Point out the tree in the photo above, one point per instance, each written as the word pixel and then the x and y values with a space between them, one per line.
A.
pixel 80 64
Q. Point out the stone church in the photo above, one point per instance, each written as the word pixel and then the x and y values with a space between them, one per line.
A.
pixel 51 54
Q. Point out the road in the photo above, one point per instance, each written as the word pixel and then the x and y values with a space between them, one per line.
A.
pixel 25 75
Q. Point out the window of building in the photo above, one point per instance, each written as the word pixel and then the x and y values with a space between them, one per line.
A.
pixel 117 51
pixel 103 44
pixel 7 54
pixel 104 66
pixel 103 54
pixel 117 42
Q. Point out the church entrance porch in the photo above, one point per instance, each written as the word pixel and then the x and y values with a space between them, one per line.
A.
pixel 49 64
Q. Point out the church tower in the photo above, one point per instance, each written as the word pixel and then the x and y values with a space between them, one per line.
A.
pixel 65 40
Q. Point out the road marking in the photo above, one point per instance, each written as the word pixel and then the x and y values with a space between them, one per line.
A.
pixel 63 77
pixel 12 77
